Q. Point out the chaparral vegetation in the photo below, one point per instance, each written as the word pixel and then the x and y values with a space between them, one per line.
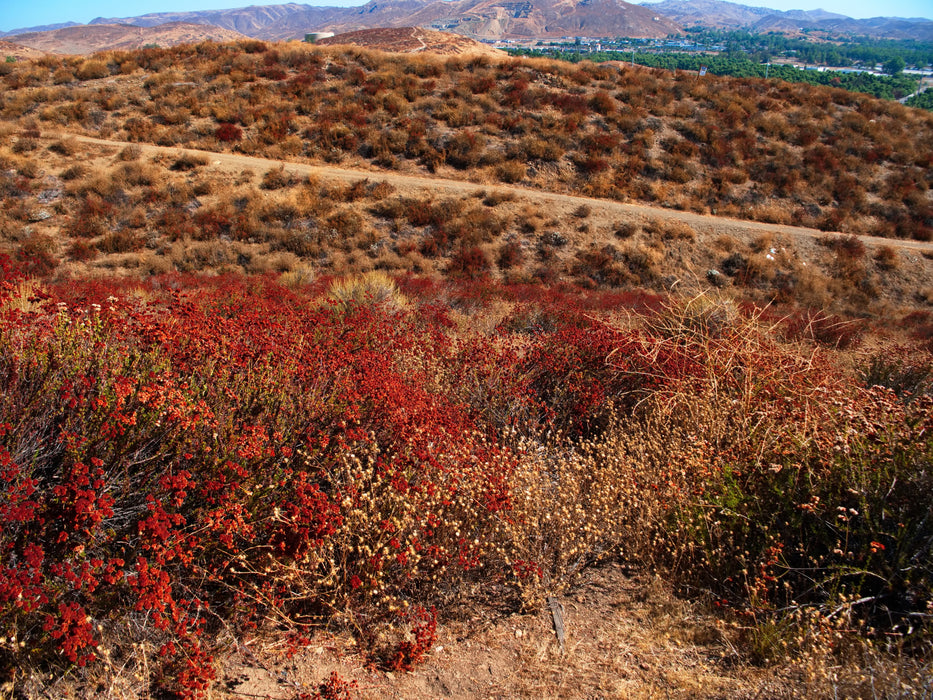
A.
pixel 765 150
pixel 258 405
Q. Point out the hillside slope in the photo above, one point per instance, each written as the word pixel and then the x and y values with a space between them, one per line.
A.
pixel 414 40
pixel 488 19
pixel 88 39
pixel 628 140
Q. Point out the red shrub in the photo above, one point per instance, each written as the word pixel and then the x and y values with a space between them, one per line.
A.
pixel 334 688
pixel 424 630
pixel 228 132
pixel 825 329
pixel 469 261
pixel 36 255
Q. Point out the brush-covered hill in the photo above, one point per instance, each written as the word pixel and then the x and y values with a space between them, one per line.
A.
pixel 90 38
pixel 494 19
pixel 18 51
pixel 747 148
pixel 330 372
pixel 414 40
pixel 712 151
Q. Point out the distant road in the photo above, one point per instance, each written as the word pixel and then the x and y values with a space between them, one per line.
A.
pixel 924 86
pixel 702 223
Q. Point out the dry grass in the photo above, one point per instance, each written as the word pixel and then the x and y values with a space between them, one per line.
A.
pixel 376 288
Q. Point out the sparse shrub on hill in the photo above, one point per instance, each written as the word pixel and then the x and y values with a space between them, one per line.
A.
pixel 91 69
pixel 886 258
pixel 510 255
pixel 188 161
pixel 511 172
pixel 276 178
pixel 62 76
pixel 120 241
pixel 468 261
pixel 602 266
pixel 669 229
pixel 464 149
pixel 228 132
pixel 761 165
pixel 81 250
pixel 36 255
pixel 374 288
pixel 65 147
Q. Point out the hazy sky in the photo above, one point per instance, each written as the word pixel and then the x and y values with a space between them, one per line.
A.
pixel 16 14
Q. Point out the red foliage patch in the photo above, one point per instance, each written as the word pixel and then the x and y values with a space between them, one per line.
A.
pixel 228 133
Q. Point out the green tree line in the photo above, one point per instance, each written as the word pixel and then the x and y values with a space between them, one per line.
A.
pixel 741 66
pixel 839 52
pixel 923 101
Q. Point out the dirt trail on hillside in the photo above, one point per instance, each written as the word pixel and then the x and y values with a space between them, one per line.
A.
pixel 704 224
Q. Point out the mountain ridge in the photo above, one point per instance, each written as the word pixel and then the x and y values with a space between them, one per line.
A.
pixel 719 14
pixel 483 19
pixel 517 19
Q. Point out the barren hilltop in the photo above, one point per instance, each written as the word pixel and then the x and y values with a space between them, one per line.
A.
pixel 90 38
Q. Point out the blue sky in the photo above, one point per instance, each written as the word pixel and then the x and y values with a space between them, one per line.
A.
pixel 15 14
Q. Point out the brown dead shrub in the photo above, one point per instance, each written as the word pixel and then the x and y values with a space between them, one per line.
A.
pixel 64 147
pixel 511 172
pixel 510 255
pixel 74 172
pixel 120 241
pixel 497 197
pixel 188 161
pixel 92 69
pixel 276 179
pixel 82 250
pixel 887 258
pixel 670 229
pixel 626 230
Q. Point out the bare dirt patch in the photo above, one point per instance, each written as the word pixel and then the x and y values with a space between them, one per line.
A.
pixel 627 636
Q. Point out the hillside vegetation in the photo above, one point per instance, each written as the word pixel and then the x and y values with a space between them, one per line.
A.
pixel 741 147
pixel 245 408
pixel 189 462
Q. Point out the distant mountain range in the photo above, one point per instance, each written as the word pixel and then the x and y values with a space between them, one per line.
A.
pixel 715 14
pixel 483 19
pixel 506 19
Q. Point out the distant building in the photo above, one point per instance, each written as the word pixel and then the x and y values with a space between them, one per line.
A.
pixel 317 36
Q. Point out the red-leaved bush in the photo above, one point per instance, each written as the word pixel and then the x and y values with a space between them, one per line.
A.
pixel 229 455
pixel 228 132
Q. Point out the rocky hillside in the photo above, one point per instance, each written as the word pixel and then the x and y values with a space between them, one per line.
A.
pixel 89 38
pixel 495 19
pixel 488 19
pixel 414 40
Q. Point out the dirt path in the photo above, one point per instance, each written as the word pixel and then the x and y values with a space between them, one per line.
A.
pixel 702 223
